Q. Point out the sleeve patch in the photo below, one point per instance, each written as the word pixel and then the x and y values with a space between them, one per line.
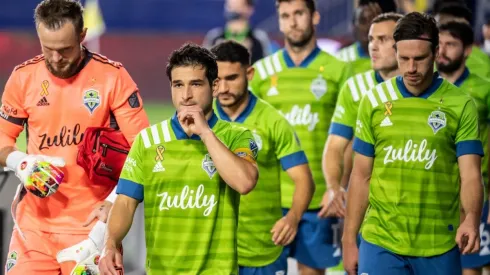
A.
pixel 133 100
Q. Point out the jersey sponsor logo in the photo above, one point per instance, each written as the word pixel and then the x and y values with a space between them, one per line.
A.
pixel 11 261
pixel 437 121
pixel 386 122
pixel 43 102
pixel 319 87
pixel 302 117
pixel 188 199
pixel 208 166
pixel 129 164
pixel 412 152
pixel 66 137
pixel 6 111
pixel 91 100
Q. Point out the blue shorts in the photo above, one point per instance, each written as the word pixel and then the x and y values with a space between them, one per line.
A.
pixel 278 267
pixel 481 258
pixel 317 243
pixel 374 259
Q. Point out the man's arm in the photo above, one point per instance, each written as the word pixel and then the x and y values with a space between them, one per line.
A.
pixel 333 158
pixel 240 173
pixel 357 197
pixel 120 220
pixel 304 189
pixel 347 168
pixel 471 186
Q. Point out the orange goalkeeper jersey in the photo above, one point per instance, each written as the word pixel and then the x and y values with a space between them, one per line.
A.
pixel 55 113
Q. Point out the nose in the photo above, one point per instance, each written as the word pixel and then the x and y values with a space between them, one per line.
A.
pixel 56 57
pixel 223 86
pixel 412 66
pixel 187 94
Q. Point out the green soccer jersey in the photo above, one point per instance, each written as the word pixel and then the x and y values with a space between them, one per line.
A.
pixel 344 118
pixel 355 56
pixel 414 198
pixel 479 63
pixel 306 96
pixel 191 214
pixel 479 89
pixel 261 208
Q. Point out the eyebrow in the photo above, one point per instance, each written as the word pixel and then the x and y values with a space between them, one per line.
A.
pixel 62 49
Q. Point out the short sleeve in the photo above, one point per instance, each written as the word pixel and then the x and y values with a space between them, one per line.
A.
pixel 127 106
pixel 131 181
pixel 345 115
pixel 468 132
pixel 364 137
pixel 287 146
pixel 12 113
pixel 245 146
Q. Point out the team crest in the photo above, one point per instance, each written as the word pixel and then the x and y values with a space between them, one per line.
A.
pixel 11 261
pixel 258 140
pixel 91 100
pixel 437 121
pixel 254 148
pixel 319 87
pixel 208 166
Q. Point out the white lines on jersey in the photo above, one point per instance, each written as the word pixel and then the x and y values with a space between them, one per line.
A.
pixel 155 135
pixel 146 139
pixel 276 62
pixel 391 90
pixel 371 97
pixel 353 89
pixel 360 82
pixel 261 70
pixel 381 93
pixel 268 65
pixel 166 132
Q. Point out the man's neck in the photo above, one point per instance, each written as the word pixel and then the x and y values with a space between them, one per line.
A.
pixel 418 90
pixel 234 111
pixel 453 76
pixel 388 73
pixel 237 26
pixel 299 54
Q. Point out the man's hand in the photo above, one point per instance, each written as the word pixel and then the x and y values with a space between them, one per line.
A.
pixel 285 229
pixel 101 212
pixel 193 119
pixel 333 203
pixel 350 256
pixel 110 261
pixel 468 235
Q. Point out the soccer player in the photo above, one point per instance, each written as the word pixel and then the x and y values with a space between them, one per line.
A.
pixel 190 171
pixel 262 231
pixel 455 45
pixel 415 172
pixel 478 61
pixel 341 131
pixel 303 82
pixel 357 53
pixel 56 96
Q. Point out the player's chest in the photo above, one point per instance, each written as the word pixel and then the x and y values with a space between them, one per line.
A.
pixel 414 119
pixel 84 101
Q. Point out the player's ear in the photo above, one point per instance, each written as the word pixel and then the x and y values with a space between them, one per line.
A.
pixel 83 35
pixel 316 18
pixel 250 73
pixel 215 87
pixel 468 50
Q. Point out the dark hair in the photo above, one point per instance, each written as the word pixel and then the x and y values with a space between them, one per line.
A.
pixel 309 3
pixel 231 51
pixel 385 5
pixel 456 10
pixel 459 30
pixel 389 16
pixel 415 26
pixel 193 55
pixel 250 3
pixel 55 13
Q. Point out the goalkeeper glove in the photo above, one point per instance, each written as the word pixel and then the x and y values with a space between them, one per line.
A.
pixel 85 254
pixel 39 174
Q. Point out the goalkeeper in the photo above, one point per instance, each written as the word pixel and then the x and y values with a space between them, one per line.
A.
pixel 56 96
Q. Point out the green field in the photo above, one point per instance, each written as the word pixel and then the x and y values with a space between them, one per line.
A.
pixel 156 113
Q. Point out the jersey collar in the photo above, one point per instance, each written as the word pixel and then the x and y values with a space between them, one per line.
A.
pixel 252 100
pixel 378 77
pixel 462 78
pixel 436 83
pixel 179 131
pixel 360 51
pixel 305 63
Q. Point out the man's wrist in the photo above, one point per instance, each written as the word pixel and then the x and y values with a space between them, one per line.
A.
pixel 206 135
pixel 348 239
